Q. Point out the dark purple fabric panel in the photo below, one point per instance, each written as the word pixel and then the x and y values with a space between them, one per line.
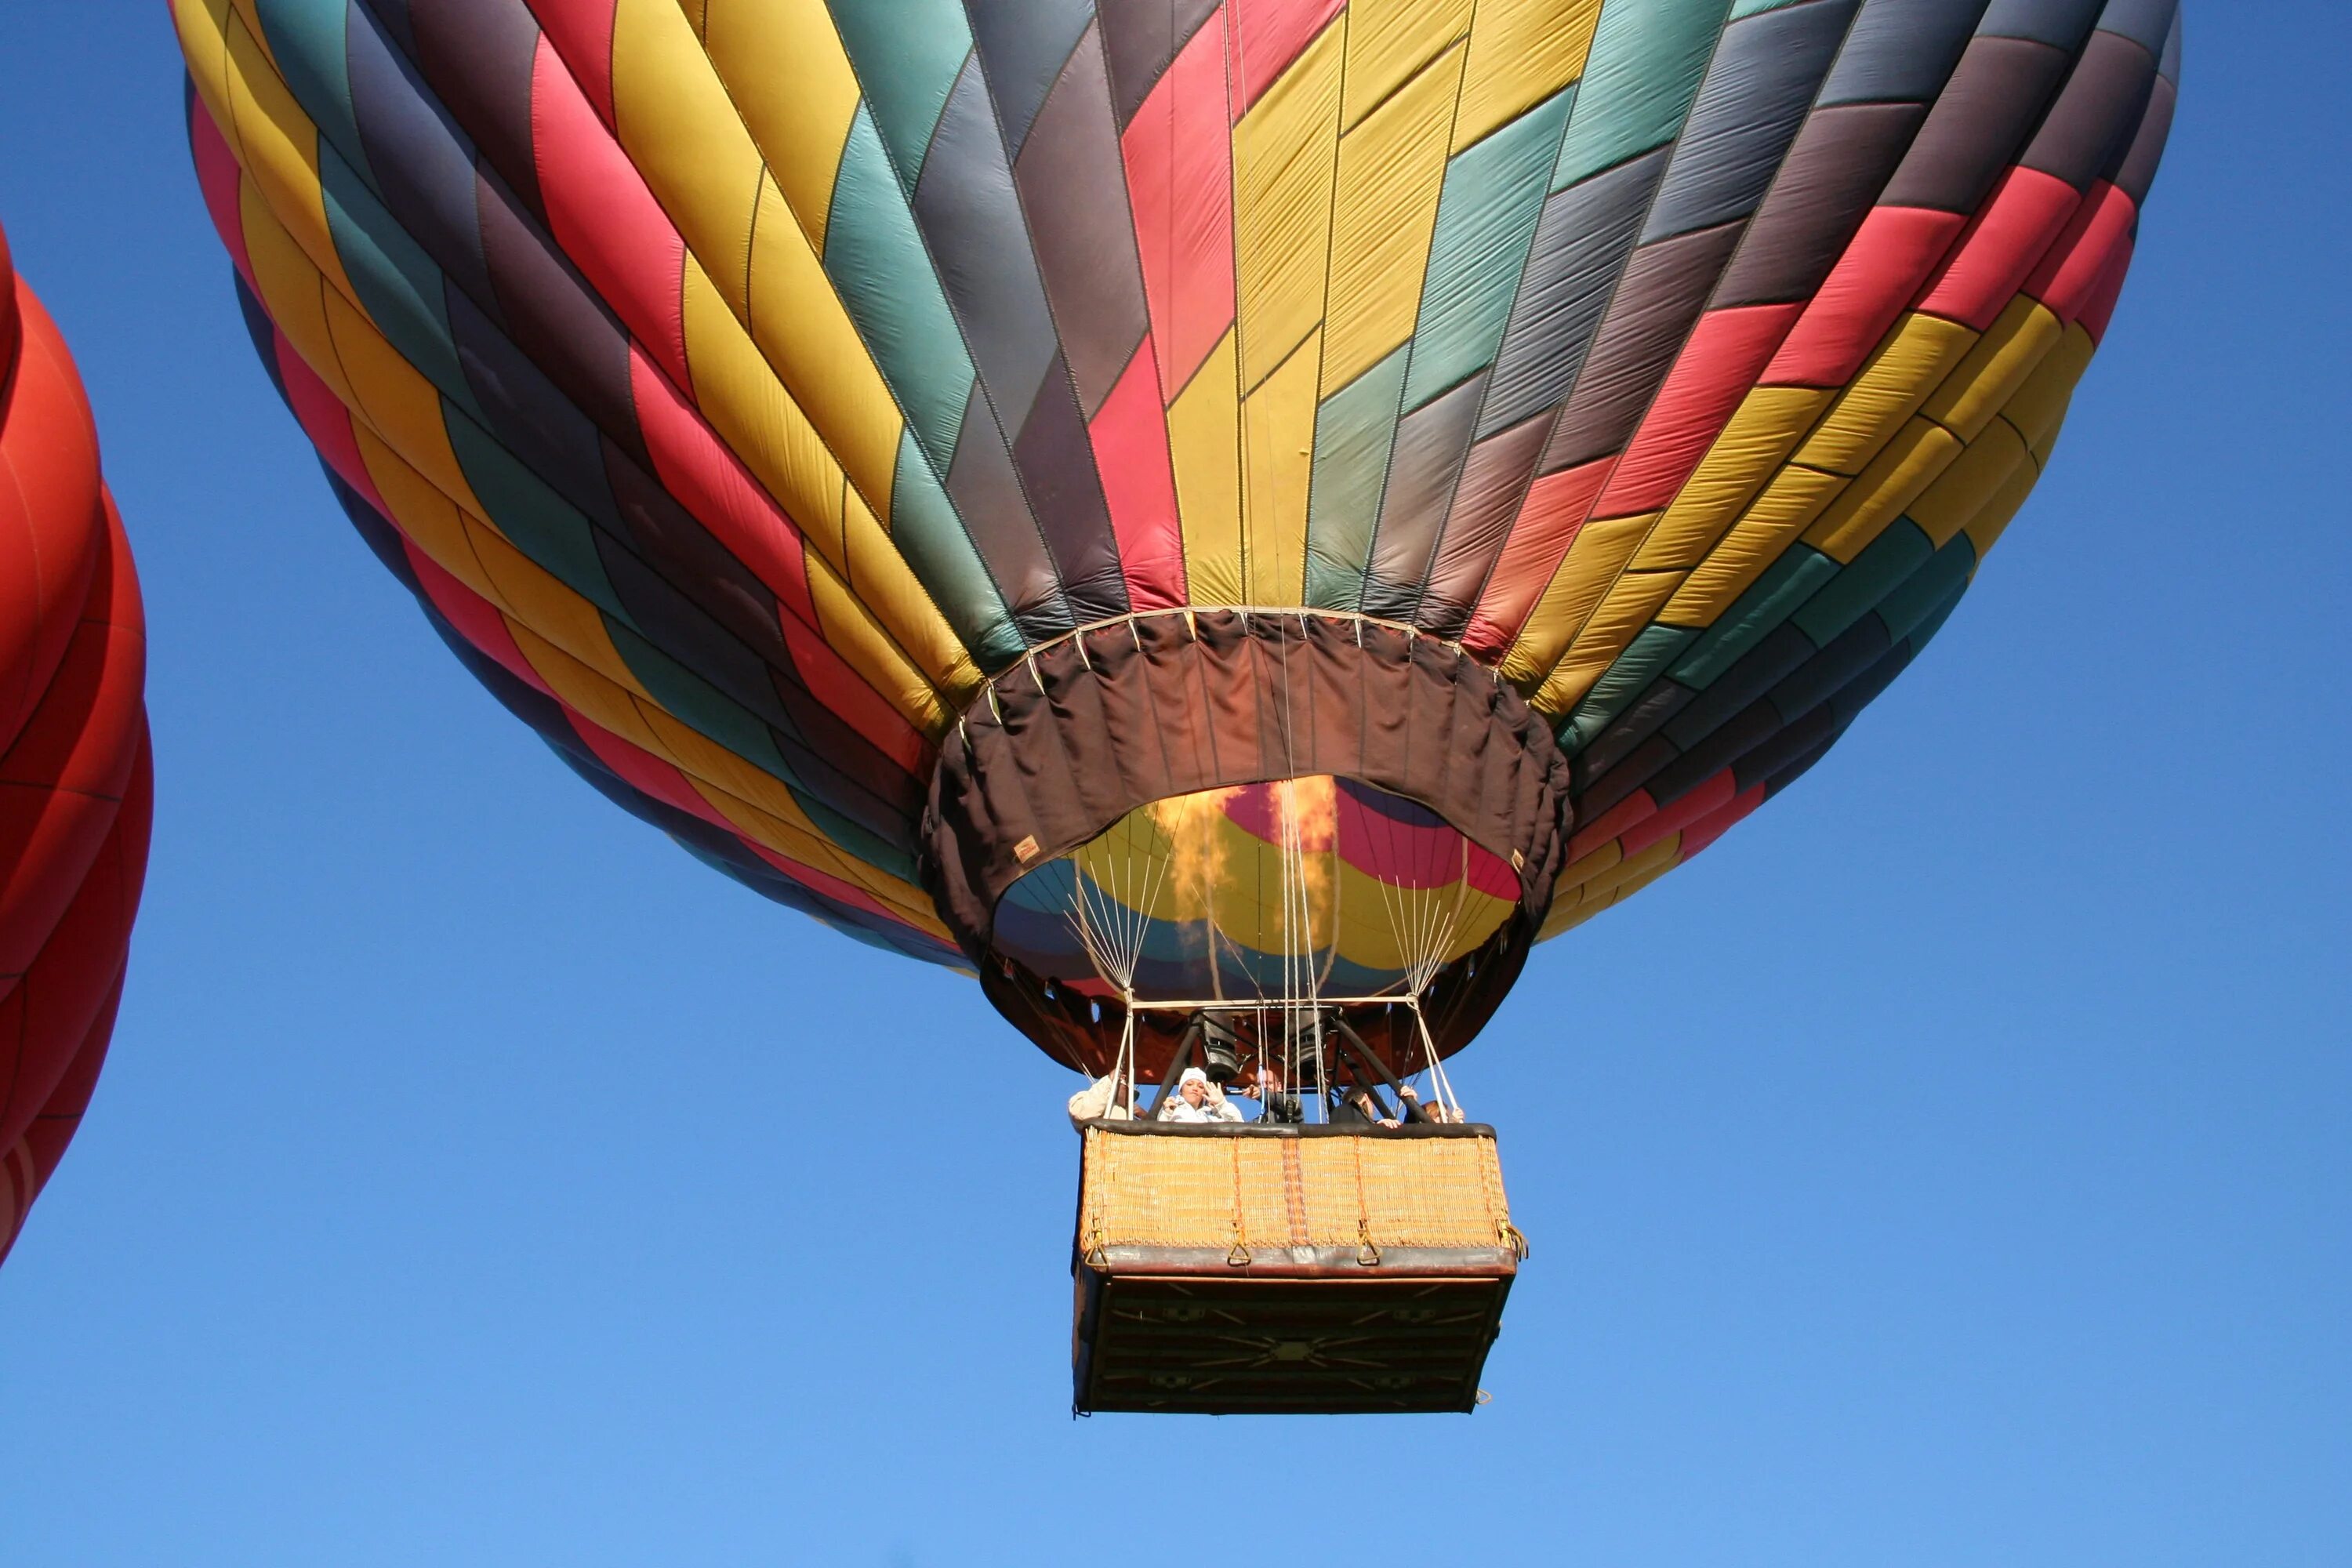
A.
pixel 1425 460
pixel 1022 46
pixel 1494 483
pixel 1834 171
pixel 2091 126
pixel 477 55
pixel 1056 459
pixel 986 491
pixel 1978 127
pixel 1139 39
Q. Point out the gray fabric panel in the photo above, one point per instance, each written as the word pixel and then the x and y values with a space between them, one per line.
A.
pixel 1665 288
pixel 2137 171
pixel 1765 71
pixel 1430 444
pixel 1992 103
pixel 972 218
pixel 1581 243
pixel 2169 65
pixel 1023 45
pixel 1664 699
pixel 1073 187
pixel 1140 37
pixel 1493 484
pixel 2091 126
pixel 1842 160
pixel 1056 463
pixel 1902 51
pixel 2147 23
pixel 987 496
pixel 2062 24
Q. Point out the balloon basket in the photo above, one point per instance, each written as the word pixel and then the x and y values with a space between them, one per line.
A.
pixel 1288 1269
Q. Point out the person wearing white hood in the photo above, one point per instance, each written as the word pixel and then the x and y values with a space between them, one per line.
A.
pixel 1196 1099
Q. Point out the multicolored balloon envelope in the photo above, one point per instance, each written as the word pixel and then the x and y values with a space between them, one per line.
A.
pixel 75 797
pixel 981 472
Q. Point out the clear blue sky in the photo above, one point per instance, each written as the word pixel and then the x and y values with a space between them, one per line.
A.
pixel 1950 1168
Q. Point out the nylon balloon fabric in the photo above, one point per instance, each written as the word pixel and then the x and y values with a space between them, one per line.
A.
pixel 75 786
pixel 752 390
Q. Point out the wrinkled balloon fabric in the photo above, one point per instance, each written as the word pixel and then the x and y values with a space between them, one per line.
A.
pixel 75 786
pixel 748 389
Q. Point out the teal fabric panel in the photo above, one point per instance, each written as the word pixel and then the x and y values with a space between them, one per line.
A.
pixel 1639 81
pixel 309 40
pixel 1927 590
pixel 1486 213
pixel 1890 558
pixel 536 521
pixel 399 286
pixel 1353 431
pixel 874 256
pixel 933 541
pixel 1755 615
pixel 906 54
pixel 1650 652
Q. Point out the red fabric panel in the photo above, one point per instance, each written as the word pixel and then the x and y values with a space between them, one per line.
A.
pixel 1179 155
pixel 705 477
pixel 2072 276
pixel 9 325
pixel 475 619
pixel 2004 243
pixel 1619 819
pixel 1725 354
pixel 51 517
pixel 327 423
pixel 1703 833
pixel 1268 35
pixel 1703 802
pixel 217 175
pixel 27 1169
pixel 50 1013
pixel 1130 439
pixel 2099 305
pixel 581 31
pixel 1880 273
pixel 602 214
pixel 1549 521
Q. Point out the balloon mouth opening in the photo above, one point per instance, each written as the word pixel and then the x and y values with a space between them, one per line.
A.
pixel 1249 813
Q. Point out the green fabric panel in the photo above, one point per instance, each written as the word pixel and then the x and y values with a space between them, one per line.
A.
pixel 1744 8
pixel 1353 430
pixel 930 537
pixel 309 40
pixel 1649 652
pixel 535 519
pixel 1639 81
pixel 1923 593
pixel 1786 583
pixel 1486 213
pixel 906 54
pixel 874 256
pixel 1892 556
pixel 707 712
pixel 1925 632
pixel 398 284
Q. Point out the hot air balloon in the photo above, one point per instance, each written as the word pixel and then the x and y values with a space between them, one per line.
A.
pixel 1229 521
pixel 75 789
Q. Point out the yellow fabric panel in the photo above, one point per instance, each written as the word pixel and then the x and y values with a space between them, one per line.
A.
pixel 884 579
pixel 1278 445
pixel 1879 495
pixel 1650 864
pixel 1907 369
pixel 1203 442
pixel 425 516
pixel 1786 508
pixel 1388 41
pixel 783 66
pixel 1585 869
pixel 1283 151
pixel 848 626
pixel 2040 405
pixel 1969 486
pixel 291 289
pixel 202 26
pixel 248 16
pixel 684 137
pixel 585 690
pixel 1985 529
pixel 805 331
pixel 551 610
pixel 396 401
pixel 1390 170
pixel 1589 569
pixel 279 149
pixel 1995 368
pixel 1630 604
pixel 1521 52
pixel 1752 448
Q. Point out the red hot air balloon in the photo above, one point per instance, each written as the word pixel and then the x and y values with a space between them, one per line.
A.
pixel 75 782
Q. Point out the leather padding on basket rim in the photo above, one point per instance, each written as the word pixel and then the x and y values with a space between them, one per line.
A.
pixel 1062 745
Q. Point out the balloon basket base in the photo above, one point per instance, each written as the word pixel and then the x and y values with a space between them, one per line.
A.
pixel 1288 1270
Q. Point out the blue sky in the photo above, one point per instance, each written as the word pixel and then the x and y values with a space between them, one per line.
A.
pixel 1949 1168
